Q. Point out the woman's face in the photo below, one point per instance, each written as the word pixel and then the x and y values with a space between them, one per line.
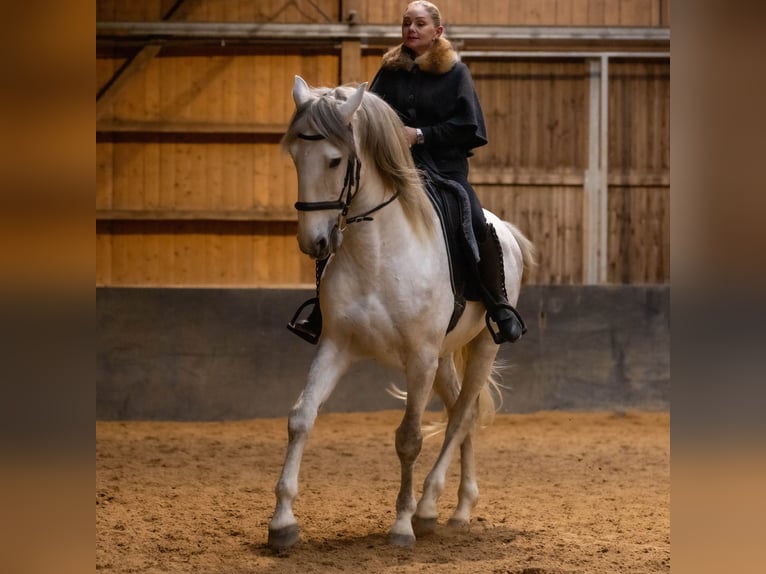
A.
pixel 418 30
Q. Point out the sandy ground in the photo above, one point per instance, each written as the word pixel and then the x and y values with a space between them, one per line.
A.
pixel 559 492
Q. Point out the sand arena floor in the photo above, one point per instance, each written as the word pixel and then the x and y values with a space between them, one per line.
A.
pixel 559 492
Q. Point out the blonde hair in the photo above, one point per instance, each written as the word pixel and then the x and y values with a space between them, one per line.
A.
pixel 431 8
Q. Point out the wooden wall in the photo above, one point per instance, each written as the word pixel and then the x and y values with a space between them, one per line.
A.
pixel 487 12
pixel 527 12
pixel 193 190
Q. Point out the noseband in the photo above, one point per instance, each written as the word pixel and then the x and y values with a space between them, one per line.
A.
pixel 347 193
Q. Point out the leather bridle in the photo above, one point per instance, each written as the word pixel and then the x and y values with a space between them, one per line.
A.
pixel 347 193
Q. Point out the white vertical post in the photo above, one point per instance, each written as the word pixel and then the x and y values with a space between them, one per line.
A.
pixel 596 184
pixel 603 191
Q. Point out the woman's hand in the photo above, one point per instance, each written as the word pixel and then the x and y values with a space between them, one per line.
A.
pixel 411 135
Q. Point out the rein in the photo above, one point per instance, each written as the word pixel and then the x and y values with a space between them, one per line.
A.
pixel 347 193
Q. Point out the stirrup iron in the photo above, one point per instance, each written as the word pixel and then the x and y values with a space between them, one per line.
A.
pixel 497 337
pixel 300 327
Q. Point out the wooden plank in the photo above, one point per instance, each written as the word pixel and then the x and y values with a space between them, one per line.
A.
pixel 551 218
pixel 186 253
pixel 112 89
pixel 596 12
pixel 103 254
pixel 640 178
pixel 639 235
pixel 150 190
pixel 167 199
pixel 254 214
pixel 527 177
pixel 350 62
pixel 636 12
pixel 579 13
pixel 104 175
pixel 189 127
pixel 564 12
pixel 612 12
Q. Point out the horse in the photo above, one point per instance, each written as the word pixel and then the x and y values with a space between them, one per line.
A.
pixel 386 295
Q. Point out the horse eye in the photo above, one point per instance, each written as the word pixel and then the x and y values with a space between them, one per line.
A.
pixel 335 162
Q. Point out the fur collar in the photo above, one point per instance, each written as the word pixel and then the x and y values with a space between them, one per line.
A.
pixel 440 59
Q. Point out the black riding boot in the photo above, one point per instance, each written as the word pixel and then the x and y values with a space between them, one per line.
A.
pixel 509 323
pixel 310 328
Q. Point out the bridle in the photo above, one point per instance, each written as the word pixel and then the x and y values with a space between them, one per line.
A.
pixel 347 193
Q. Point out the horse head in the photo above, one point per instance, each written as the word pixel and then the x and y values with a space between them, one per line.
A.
pixel 321 144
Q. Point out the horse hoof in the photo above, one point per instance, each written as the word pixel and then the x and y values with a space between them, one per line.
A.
pixel 283 538
pixel 423 526
pixel 459 524
pixel 402 540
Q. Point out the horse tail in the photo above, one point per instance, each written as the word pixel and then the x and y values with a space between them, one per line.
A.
pixel 528 250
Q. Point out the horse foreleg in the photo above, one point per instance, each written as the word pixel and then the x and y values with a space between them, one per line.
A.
pixel 326 370
pixel 409 441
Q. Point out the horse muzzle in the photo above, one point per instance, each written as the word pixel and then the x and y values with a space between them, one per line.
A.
pixel 322 245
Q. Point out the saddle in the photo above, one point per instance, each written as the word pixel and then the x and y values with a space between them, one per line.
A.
pixel 453 208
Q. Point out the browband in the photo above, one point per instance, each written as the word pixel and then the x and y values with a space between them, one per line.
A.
pixel 312 138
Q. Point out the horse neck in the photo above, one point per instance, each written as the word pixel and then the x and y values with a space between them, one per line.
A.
pixel 390 237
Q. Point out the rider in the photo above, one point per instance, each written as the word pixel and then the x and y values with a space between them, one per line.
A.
pixel 433 93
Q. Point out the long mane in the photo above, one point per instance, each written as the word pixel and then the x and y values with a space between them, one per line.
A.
pixel 380 139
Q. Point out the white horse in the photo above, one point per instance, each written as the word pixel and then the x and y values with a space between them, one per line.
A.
pixel 385 294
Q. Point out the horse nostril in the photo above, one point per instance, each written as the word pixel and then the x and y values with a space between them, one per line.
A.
pixel 321 244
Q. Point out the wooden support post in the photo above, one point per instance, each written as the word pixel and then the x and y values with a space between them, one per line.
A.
pixel 603 189
pixel 595 216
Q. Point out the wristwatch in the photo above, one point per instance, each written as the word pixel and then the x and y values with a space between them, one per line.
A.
pixel 419 139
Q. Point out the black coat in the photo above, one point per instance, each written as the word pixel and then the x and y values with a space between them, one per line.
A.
pixel 443 105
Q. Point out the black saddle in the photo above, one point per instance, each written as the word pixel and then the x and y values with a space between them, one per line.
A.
pixel 451 204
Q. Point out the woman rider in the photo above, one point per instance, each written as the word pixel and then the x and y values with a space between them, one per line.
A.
pixel 433 93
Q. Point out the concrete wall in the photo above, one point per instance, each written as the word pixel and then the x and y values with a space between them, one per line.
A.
pixel 216 354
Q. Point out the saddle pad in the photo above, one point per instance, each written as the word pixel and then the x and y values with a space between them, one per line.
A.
pixel 445 197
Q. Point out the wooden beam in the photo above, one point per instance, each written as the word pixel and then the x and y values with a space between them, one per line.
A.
pixel 562 178
pixel 372 34
pixel 265 215
pixel 565 178
pixel 188 127
pixel 639 179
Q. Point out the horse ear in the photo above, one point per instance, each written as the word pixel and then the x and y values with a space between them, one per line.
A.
pixel 301 92
pixel 348 107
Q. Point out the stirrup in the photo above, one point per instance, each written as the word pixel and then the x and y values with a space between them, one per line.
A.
pixel 497 337
pixel 303 328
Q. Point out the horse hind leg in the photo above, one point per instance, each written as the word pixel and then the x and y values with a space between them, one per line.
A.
pixel 468 491
pixel 447 387
pixel 462 406
pixel 409 441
